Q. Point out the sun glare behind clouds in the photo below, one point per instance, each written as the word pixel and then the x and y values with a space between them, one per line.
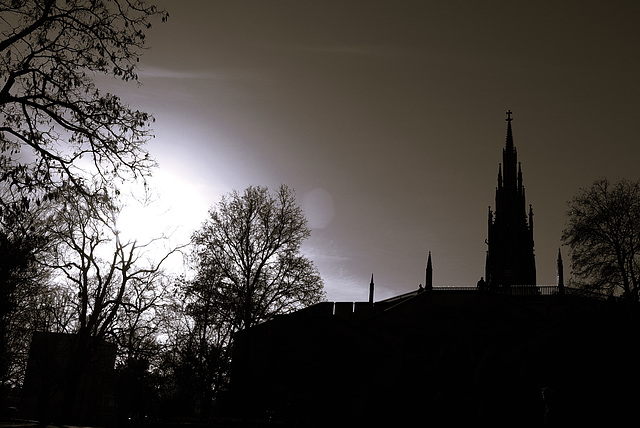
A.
pixel 389 131
pixel 169 216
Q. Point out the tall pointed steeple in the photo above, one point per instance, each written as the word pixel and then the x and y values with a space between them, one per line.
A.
pixel 428 284
pixel 509 157
pixel 510 257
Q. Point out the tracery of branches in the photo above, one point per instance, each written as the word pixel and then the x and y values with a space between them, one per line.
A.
pixel 50 53
pixel 116 286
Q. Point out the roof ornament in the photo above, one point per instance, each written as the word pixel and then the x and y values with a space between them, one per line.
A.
pixel 509 118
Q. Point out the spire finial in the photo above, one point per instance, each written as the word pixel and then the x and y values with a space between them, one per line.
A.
pixel 509 140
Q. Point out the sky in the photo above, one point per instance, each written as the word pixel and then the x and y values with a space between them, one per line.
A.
pixel 388 121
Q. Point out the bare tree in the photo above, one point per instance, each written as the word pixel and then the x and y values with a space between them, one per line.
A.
pixel 248 254
pixel 55 124
pixel 136 325
pixel 248 268
pixel 115 285
pixel 603 232
pixel 107 273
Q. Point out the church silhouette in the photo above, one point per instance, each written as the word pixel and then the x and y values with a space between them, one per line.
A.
pixel 510 257
pixel 448 356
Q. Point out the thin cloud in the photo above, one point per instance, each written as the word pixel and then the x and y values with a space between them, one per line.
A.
pixel 204 74
pixel 167 73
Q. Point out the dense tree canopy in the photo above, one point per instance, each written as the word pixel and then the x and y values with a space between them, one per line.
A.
pixel 23 286
pixel 55 124
pixel 603 232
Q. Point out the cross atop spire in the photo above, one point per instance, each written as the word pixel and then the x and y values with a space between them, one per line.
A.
pixel 509 113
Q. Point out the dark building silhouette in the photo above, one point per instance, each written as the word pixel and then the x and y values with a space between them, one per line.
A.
pixel 48 369
pixel 445 357
pixel 510 256
pixel 450 356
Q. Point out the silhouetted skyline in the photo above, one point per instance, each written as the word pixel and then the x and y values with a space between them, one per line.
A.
pixel 388 121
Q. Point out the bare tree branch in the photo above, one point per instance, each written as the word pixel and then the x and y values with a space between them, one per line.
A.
pixel 250 243
pixel 49 54
pixel 603 232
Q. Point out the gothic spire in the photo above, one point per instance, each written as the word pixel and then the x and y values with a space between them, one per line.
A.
pixel 510 258
pixel 509 159
pixel 428 285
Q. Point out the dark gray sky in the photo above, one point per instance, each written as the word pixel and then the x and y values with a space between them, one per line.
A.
pixel 387 118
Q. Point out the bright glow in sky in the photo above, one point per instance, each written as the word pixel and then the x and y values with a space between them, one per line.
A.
pixel 174 209
pixel 387 118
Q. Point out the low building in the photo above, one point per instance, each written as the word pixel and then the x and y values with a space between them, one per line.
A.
pixel 443 356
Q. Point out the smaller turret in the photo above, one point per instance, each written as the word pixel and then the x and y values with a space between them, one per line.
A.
pixel 371 287
pixel 428 284
pixel 560 273
pixel 520 189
